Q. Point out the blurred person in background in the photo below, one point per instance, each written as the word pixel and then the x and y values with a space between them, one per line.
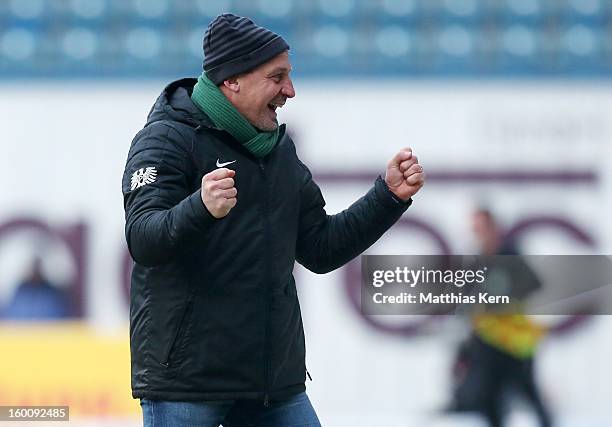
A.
pixel 218 209
pixel 36 298
pixel 498 359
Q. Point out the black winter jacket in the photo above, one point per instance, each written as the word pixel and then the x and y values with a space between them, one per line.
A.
pixel 214 312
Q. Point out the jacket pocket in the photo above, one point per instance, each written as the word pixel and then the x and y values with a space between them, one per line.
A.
pixel 171 350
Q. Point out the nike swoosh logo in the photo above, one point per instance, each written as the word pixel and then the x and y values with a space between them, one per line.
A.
pixel 220 165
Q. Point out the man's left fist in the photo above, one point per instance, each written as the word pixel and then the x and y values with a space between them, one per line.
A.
pixel 404 176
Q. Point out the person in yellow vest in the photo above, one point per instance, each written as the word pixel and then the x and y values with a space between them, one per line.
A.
pixel 499 356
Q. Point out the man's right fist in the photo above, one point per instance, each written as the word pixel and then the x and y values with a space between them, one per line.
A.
pixel 218 192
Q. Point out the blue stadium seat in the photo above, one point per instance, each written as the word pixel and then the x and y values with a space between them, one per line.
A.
pixel 208 9
pixel 280 17
pixel 581 49
pixel 456 47
pixel 461 11
pixel 585 12
pixel 400 9
pixel 394 42
pixel 79 44
pixel 523 12
pixel 392 51
pixel 89 10
pixel 139 13
pixel 27 10
pixel 18 45
pixel 141 48
pixel 342 12
pixel 520 46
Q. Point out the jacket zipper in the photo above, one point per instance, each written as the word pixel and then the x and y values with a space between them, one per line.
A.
pixel 166 359
pixel 267 355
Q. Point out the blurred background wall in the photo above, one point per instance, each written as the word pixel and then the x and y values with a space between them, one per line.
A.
pixel 507 104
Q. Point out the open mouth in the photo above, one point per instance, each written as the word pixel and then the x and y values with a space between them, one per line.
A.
pixel 273 106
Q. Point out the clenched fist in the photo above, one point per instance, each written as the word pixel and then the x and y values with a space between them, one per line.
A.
pixel 218 192
pixel 404 175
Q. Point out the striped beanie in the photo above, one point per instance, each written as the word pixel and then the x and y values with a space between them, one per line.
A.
pixel 234 45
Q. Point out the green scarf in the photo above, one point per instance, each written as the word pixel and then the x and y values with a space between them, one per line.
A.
pixel 207 96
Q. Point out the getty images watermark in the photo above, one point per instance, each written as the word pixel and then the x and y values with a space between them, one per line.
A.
pixel 425 276
pixel 545 284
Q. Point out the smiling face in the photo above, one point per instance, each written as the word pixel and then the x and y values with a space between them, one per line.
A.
pixel 258 93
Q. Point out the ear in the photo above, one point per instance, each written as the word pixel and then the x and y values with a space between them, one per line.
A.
pixel 232 84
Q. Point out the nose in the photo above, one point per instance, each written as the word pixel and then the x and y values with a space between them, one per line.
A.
pixel 288 89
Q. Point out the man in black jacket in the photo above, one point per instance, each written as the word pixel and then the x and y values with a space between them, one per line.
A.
pixel 218 209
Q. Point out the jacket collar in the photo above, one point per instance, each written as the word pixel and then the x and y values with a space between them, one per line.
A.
pixel 175 103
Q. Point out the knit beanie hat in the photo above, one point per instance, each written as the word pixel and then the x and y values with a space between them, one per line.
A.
pixel 234 45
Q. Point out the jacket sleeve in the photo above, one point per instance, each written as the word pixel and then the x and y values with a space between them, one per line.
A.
pixel 162 214
pixel 326 242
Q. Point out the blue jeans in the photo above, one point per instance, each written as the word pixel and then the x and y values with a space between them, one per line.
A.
pixel 296 411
